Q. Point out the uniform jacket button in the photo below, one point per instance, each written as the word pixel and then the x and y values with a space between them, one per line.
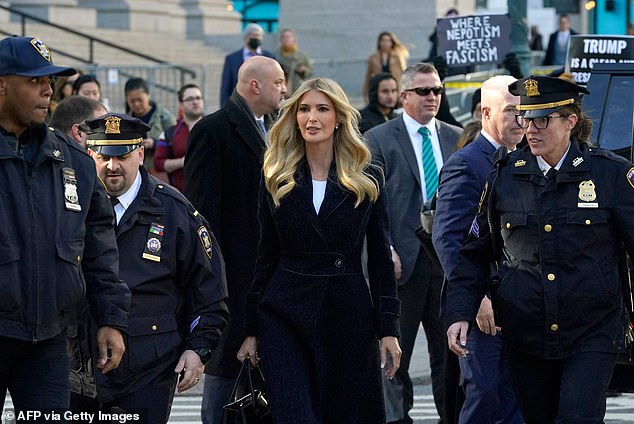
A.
pixel 588 222
pixel 548 228
pixel 154 328
pixel 554 327
pixel 339 263
pixel 508 225
pixel 551 277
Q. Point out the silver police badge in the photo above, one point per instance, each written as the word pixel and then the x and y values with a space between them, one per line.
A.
pixel 71 197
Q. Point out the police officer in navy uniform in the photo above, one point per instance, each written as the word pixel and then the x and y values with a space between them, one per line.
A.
pixel 560 211
pixel 173 267
pixel 56 239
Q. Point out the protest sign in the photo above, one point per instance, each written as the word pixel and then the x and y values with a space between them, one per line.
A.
pixel 472 40
pixel 584 51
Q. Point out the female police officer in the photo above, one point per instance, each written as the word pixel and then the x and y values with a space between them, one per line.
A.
pixel 559 212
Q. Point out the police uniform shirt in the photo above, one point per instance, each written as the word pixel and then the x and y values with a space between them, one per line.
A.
pixel 545 167
pixel 126 199
pixel 416 139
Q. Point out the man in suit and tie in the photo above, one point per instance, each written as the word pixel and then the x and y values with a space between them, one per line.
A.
pixel 411 150
pixel 252 36
pixel 558 41
pixel 223 166
pixel 489 397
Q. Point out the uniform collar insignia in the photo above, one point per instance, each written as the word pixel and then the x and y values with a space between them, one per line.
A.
pixel 576 161
pixel 520 162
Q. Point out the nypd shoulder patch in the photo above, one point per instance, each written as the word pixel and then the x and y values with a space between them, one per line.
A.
pixel 630 177
pixel 205 240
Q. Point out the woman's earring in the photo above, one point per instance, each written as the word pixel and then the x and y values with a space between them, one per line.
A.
pixel 336 127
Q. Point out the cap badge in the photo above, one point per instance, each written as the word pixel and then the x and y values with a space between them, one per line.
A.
pixel 41 49
pixel 113 125
pixel 530 85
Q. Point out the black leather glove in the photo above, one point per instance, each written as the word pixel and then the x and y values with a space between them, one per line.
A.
pixel 512 64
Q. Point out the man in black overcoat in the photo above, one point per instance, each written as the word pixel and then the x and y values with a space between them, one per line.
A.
pixel 222 175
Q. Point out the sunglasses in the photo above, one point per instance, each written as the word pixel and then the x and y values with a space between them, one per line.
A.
pixel 424 91
pixel 540 123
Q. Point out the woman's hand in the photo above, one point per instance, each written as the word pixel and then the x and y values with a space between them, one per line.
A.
pixel 389 345
pixel 249 349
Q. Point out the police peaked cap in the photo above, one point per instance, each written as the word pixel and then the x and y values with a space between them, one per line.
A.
pixel 28 57
pixel 543 95
pixel 114 134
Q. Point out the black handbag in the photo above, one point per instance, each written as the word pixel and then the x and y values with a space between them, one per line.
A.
pixel 248 403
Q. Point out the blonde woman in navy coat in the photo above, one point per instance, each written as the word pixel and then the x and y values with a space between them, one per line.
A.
pixel 321 332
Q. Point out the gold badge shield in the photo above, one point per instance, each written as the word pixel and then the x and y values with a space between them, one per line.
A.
pixel 586 191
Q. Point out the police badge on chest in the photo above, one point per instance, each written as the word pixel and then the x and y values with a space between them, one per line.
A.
pixel 587 195
pixel 152 249
pixel 71 197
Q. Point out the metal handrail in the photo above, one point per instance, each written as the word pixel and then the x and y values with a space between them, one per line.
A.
pixel 91 39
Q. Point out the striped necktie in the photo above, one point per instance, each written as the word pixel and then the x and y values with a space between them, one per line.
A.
pixel 260 123
pixel 430 170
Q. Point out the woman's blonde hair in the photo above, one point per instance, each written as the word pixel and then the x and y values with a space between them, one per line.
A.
pixel 287 149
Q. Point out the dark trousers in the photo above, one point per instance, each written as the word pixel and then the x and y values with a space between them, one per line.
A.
pixel 153 403
pixel 485 377
pixel 562 391
pixel 420 303
pixel 36 375
pixel 454 394
pixel 216 394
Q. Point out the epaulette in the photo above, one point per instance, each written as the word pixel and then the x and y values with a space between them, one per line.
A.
pixel 170 191
pixel 67 140
pixel 604 153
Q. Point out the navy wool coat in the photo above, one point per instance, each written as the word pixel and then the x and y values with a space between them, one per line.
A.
pixel 318 321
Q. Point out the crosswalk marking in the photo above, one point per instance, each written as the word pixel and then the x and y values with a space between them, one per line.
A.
pixel 186 409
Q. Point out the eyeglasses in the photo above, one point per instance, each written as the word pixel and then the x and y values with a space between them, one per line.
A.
pixel 192 99
pixel 540 123
pixel 424 91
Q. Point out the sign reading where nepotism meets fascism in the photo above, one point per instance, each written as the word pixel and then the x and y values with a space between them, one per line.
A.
pixel 584 51
pixel 472 40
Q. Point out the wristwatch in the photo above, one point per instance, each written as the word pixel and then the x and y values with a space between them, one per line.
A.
pixel 204 353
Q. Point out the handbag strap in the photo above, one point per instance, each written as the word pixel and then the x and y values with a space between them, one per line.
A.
pixel 246 376
pixel 241 375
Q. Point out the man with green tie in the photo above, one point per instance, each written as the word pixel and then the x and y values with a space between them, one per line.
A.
pixel 411 150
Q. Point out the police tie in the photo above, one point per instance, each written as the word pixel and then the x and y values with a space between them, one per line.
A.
pixel 430 170
pixel 551 173
pixel 114 200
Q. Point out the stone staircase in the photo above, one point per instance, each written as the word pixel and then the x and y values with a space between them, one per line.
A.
pixel 170 47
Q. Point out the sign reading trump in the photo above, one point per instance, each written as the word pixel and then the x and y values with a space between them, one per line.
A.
pixel 585 51
pixel 473 40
